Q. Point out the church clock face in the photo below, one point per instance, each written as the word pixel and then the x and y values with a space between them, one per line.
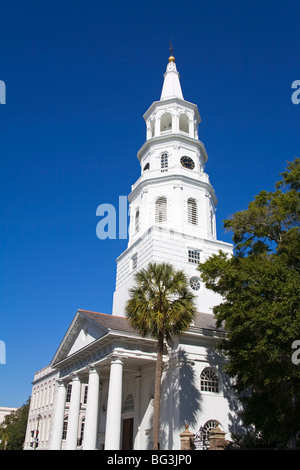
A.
pixel 187 162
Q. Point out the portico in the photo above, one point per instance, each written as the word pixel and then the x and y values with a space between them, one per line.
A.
pixel 101 366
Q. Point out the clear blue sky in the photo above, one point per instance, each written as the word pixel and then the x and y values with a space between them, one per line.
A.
pixel 79 76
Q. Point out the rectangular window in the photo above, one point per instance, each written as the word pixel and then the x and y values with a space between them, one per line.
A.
pixel 194 256
pixel 164 161
pixel 69 391
pixel 85 394
pixel 134 261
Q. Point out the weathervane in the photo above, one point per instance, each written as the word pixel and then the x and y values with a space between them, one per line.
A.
pixel 171 58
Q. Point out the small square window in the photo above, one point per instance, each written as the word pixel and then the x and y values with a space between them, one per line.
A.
pixel 194 256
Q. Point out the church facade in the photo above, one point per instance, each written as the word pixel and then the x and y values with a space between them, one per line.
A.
pixel 103 369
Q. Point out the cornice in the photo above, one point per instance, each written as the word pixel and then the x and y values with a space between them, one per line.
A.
pixel 173 177
pixel 170 138
pixel 169 101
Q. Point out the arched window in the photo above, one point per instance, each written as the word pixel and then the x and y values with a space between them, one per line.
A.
pixel 129 404
pixel 209 381
pixel 152 126
pixel 202 437
pixel 166 122
pixel 137 220
pixel 146 167
pixel 161 209
pixel 164 161
pixel 184 123
pixel 192 212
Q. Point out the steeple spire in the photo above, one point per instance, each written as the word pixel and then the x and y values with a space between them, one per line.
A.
pixel 171 87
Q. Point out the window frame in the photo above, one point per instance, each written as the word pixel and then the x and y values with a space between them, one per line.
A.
pixel 211 383
pixel 164 162
pixel 193 256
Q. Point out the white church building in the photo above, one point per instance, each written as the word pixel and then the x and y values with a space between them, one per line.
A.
pixel 98 391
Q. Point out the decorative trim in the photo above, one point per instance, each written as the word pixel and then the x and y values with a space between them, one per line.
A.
pixel 169 178
pixel 170 137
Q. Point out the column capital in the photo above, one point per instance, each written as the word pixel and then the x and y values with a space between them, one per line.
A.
pixel 116 359
pixel 61 382
pixel 75 376
pixel 92 368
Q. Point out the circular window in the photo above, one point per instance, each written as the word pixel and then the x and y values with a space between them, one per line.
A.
pixel 195 283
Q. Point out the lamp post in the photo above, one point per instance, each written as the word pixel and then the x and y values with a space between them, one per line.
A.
pixel 36 440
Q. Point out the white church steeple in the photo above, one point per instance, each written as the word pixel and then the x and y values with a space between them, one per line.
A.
pixel 172 204
pixel 171 87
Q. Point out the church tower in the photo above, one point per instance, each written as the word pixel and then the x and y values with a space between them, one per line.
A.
pixel 172 204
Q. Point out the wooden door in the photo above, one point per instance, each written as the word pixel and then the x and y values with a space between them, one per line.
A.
pixel 127 436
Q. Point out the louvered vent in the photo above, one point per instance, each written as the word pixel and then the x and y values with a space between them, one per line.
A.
pixel 192 212
pixel 161 210
pixel 137 221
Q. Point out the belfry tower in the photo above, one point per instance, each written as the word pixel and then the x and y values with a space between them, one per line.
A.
pixel 172 204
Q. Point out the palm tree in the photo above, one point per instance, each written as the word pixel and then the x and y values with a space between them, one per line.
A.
pixel 160 305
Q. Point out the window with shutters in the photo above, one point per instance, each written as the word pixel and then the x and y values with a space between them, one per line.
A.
pixel 192 212
pixel 161 210
pixel 137 221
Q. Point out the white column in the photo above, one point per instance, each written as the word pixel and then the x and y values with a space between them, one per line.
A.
pixel 157 126
pixel 114 405
pixel 59 415
pixel 91 417
pixel 73 418
pixel 137 414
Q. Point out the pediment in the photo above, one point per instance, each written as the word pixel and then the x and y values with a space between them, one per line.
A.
pixel 81 333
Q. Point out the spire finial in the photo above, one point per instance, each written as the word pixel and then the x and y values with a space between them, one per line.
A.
pixel 171 58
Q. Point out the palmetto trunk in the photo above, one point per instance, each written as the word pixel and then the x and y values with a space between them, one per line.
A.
pixel 157 391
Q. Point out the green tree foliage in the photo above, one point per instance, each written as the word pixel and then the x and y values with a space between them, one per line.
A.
pixel 160 305
pixel 13 428
pixel 260 310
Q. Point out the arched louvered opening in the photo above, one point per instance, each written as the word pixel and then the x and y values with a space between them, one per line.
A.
pixel 152 126
pixel 166 122
pixel 184 123
pixel 192 212
pixel 161 210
